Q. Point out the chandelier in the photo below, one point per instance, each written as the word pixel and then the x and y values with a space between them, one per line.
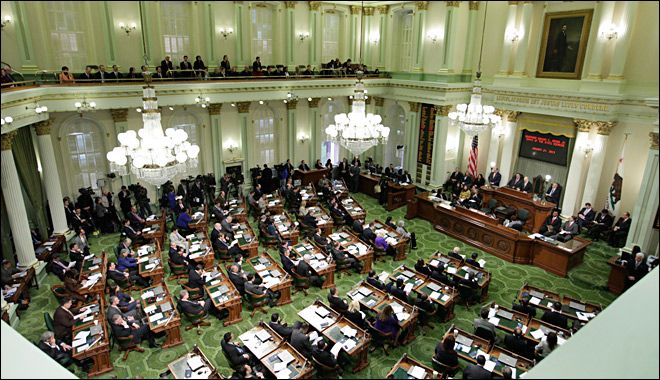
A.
pixel 84 106
pixel 475 118
pixel 153 156
pixel 202 101
pixel 358 130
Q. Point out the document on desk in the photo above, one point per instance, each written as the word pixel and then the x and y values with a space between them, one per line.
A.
pixel 155 317
pixel 408 288
pixel 149 309
pixel 494 320
pixel 402 316
pixel 383 276
pixel 417 372
pixel 435 295
pixel 263 335
pixel 286 357
pixel 348 331
pixel 335 349
pixel 283 374
pixel 535 301
pixel 79 342
pixel 81 335
pixel 445 298
pixel 451 270
pixel 279 366
pixel 349 344
pixel 537 334
pixel 489 366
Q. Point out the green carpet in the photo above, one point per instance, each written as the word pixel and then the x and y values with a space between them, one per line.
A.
pixel 585 282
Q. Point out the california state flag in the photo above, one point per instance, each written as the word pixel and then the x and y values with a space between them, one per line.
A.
pixel 617 184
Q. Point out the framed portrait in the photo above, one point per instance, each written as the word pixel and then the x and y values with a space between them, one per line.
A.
pixel 564 44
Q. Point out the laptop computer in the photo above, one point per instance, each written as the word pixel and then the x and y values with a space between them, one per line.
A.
pixel 536 294
pixel 464 340
pixel 577 306
pixel 505 314
pixel 508 360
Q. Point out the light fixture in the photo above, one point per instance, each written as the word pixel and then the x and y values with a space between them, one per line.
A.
pixel 499 130
pixel 309 99
pixel 225 32
pixel 587 148
pixel 512 34
pixel 548 177
pixel 492 164
pixel 233 104
pixel 37 108
pixel 303 138
pixel 126 28
pixel 153 156
pixel 231 147
pixel 7 120
pixel 303 36
pixel 610 32
pixel 374 38
pixel 475 118
pixel 170 108
pixel 434 37
pixel 202 101
pixel 84 106
pixel 290 96
pixel 358 130
pixel 6 21
pixel 261 102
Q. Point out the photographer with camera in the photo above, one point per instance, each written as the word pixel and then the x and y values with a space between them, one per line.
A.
pixel 124 200
pixel 141 199
pixel 86 202
pixel 196 192
pixel 209 186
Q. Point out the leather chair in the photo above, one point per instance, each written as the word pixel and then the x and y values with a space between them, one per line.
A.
pixel 126 284
pixel 48 320
pixel 196 320
pixel 485 334
pixel 256 302
pixel 325 372
pixel 267 239
pixel 380 338
pixel 300 283
pixel 379 254
pixel 490 206
pixel 127 345
pixel 59 291
pixel 195 294
pixel 222 254
pixel 342 266
pixel 444 371
pixel 177 271
pixel 467 294
pixel 523 215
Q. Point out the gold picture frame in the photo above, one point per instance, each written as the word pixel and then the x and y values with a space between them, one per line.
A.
pixel 564 44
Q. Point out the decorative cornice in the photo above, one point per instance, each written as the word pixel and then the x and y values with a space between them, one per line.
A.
pixel 443 110
pixel 583 125
pixel 355 9
pixel 453 4
pixel 379 101
pixel 314 103
pixel 514 2
pixel 474 5
pixel 214 108
pixel 43 127
pixel 422 5
pixel 290 4
pixel 314 5
pixel 7 140
pixel 654 140
pixel 509 115
pixel 604 127
pixel 291 104
pixel 119 115
pixel 369 11
pixel 414 106
pixel 243 107
pixel 383 9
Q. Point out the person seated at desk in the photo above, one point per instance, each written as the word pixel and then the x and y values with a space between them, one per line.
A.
pixel 473 260
pixel 517 343
pixel 319 238
pixel 217 212
pixel 586 216
pixel 323 356
pixel 368 234
pixel 129 264
pixel 300 339
pixel 482 322
pixel 285 257
pixel 309 220
pixel 58 266
pixel 201 307
pixel 445 353
pixel 455 253
pixel 401 229
pixel 474 201
pixel 281 328
pixel 553 193
pixel 426 308
pixel 56 349
pixel 635 270
pixel 358 228
pixel 247 372
pixel 355 315
pixel 125 300
pixel 406 177
pixel 453 181
pixel 477 371
pixel 546 345
pixel 63 320
pixel 387 323
pixel 381 243
pixel 373 280
pixel 551 225
pixel 72 284
pixel 304 269
pixel 390 171
pixel 113 308
pixel 568 230
pixel 514 223
pixel 397 290
pixel 81 240
pixel 232 247
pixel 135 218
pixel 7 273
pixel 516 182
pixel 237 278
pixel 254 285
pixel 179 256
pixel 132 233
pixel 303 166
pixel 389 222
pixel 319 165
pixel 619 232
pixel 196 278
pixel 494 177
pixel 183 222
pixel 526 185
pixel 464 195
pixel 337 303
pixel 236 354
pixel 421 267
pixel 122 328
pixel 479 181
pixel 601 223
pixel 440 275
pixel 523 306
pixel 340 256
pixel 554 316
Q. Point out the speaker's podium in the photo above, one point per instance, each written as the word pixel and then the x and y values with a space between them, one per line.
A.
pixel 537 210
pixel 310 176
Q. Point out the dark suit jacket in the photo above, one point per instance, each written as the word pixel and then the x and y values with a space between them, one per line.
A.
pixel 473 262
pixel 84 76
pixel 234 352
pixel 376 282
pixel 494 178
pixel 396 292
pixel 517 345
pixel 624 226
pixel 55 353
pixel 555 225
pixel 282 330
pixel 324 357
pixel 357 227
pixel 301 342
pixel 238 281
pixel 303 269
pixel 514 184
pixel 528 187
pixel 447 358
pixel 473 371
pixel 554 198
pixel 62 323
pixel 639 272
pixel 165 66
pixel 337 304
pixel 195 281
pixel 529 310
pixel 303 167
pixel 555 319
pixel 368 235
pixel 605 219
pixel 191 307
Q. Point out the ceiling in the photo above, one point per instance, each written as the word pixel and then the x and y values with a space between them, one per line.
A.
pixel 366 3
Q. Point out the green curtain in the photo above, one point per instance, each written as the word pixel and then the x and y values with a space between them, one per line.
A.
pixel 26 165
pixel 5 234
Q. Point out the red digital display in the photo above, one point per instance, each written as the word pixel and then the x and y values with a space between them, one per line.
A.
pixel 544 147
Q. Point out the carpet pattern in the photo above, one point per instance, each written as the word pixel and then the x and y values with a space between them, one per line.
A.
pixel 586 282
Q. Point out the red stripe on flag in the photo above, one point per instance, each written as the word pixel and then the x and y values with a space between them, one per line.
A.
pixel 474 154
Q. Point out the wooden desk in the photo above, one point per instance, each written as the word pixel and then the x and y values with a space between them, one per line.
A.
pixel 508 325
pixel 200 220
pixel 367 183
pixel 360 351
pixel 420 283
pixel 339 189
pixel 312 315
pixel 458 269
pixel 617 278
pixel 274 203
pixel 265 263
pixel 309 195
pixel 247 240
pixel 537 324
pixel 154 299
pixel 22 284
pixel 300 367
pixel 522 364
pixel 224 295
pixel 238 210
pixel 199 249
pixel 179 366
pixel 571 306
pixel 155 228
pixel 397 195
pixel 560 258
pixel 310 176
pixel 322 264
pixel 99 345
pixel 55 244
pixel 405 363
pixel 538 210
pixel 150 264
pixel 353 208
pixel 545 297
pixel 355 247
pixel 401 243
pixel 286 227
pixel 95 266
pixel 323 219
pixel 257 347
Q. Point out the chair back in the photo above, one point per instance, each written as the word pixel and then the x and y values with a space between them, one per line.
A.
pixel 523 214
pixel 492 203
pixel 177 269
pixel 325 372
pixel 125 342
pixel 444 370
pixel 485 334
pixel 255 300
pixel 49 322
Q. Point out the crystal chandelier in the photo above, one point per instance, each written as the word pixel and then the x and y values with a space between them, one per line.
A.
pixel 358 130
pixel 153 156
pixel 475 118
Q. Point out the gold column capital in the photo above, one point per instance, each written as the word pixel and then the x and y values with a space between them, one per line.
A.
pixel 291 104
pixel 355 9
pixel 383 9
pixel 453 4
pixel 604 127
pixel 474 5
pixel 314 103
pixel 514 2
pixel 119 115
pixel 369 11
pixel 7 140
pixel 314 5
pixel 443 110
pixel 583 125
pixel 290 4
pixel 414 107
pixel 243 107
pixel 43 127
pixel 214 108
pixel 509 115
pixel 422 5
pixel 379 101
pixel 653 136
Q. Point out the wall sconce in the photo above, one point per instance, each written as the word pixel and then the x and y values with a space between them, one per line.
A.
pixel 6 21
pixel 548 177
pixel 37 108
pixel 290 96
pixel 587 148
pixel 202 101
pixel 434 37
pixel 225 32
pixel 513 35
pixel 7 120
pixel 126 28
pixel 302 138
pixel 374 38
pixel 85 106
pixel 231 147
pixel 303 36
pixel 610 32
pixel 492 165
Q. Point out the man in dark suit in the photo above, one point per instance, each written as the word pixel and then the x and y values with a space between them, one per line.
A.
pixel 237 279
pixel 281 328
pixel 374 281
pixel 57 350
pixel 601 223
pixel 227 228
pixel 101 75
pixel 195 279
pixel 166 66
pixel 551 225
pixel 455 253
pixel 517 344
pixel 303 166
pixel 124 200
pixel 357 226
pixel 235 353
pixel 130 232
pixel 335 302
pixel 115 74
pixel 300 340
pixel 193 307
pixel 526 185
pixel 559 51
pixel 323 356
pixel 340 256
pixel 635 270
pixel 516 182
pixel 568 230
pixel 524 307
pixel 186 68
pixel 397 290
pixel 253 285
pixel 554 316
pixel 217 211
pixel 86 75
pixel 267 179
pixel 494 177
pixel 620 230
pixel 553 193
pixel 305 270
pixel 63 320
pixel 368 235
pixel 472 260
pixel 477 371
pixel 309 220
pixel 216 231
pixel 586 215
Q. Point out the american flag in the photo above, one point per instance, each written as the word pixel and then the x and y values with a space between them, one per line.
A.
pixel 474 154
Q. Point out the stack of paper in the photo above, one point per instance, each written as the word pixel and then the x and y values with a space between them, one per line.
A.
pixel 417 372
pixel 537 334
pixel 489 366
pixel 348 331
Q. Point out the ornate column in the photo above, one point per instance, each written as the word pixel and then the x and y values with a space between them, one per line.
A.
pixel 353 48
pixel 496 136
pixel 378 109
pixel 419 28
pixel 412 136
pixel 522 48
pixel 22 32
pixel 471 36
pixel 438 166
pixel 292 132
pixel 510 131
pixel 574 182
pixel 604 11
pixel 314 138
pixel 382 32
pixel 454 40
pixel 238 33
pixel 216 138
pixel 595 170
pixel 290 32
pixel 646 206
pixel 11 191
pixel 315 31
pixel 51 176
pixel 622 43
pixel 368 12
pixel 120 118
pixel 507 45
pixel 243 109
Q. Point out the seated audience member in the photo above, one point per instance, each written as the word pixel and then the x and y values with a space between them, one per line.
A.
pixel 200 307
pixel 456 253
pixel 196 278
pixel 517 343
pixel 237 278
pixel 122 328
pixel 381 243
pixel 355 315
pixel 337 303
pixel 303 166
pixel 553 193
pixel 586 216
pixel 551 225
pixel 554 316
pixel 483 322
pixel 323 356
pixel 73 286
pixel 236 354
pixel 473 260
pixel 601 223
pixel 619 232
pixel 397 290
pixel 130 232
pixel 526 186
pixel 445 352
pixel 422 268
pixel 464 195
pixel 523 306
pixel 373 280
pixel 253 285
pixel 281 328
pixel 304 269
pixel 66 77
pixel 568 230
pixel 58 266
pixel 635 270
pixel 514 223
pixel 387 322
pixel 340 256
pixel 547 345
pixel 300 340
pixel 183 222
pixel 125 300
pixel 477 371
pixel 516 182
